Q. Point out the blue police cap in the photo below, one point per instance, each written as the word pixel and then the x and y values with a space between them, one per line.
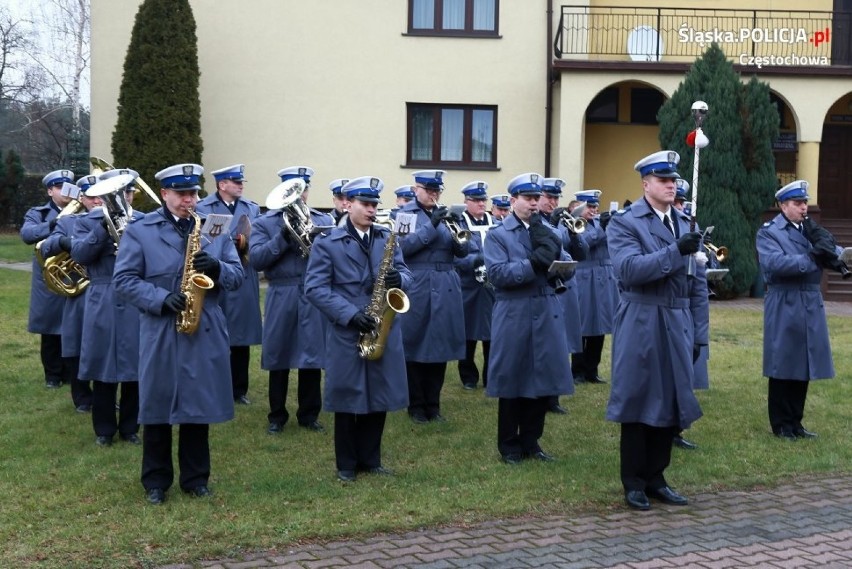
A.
pixel 797 190
pixel 529 183
pixel 336 186
pixel 119 172
pixel 591 197
pixel 475 190
pixel 302 172
pixel 87 181
pixel 501 201
pixel 235 173
pixel 681 189
pixel 405 192
pixel 553 186
pixel 431 179
pixel 365 189
pixel 662 164
pixel 181 177
pixel 57 177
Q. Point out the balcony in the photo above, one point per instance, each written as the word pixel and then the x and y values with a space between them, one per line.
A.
pixel 756 38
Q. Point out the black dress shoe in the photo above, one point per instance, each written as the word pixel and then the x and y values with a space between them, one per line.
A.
pixel 786 434
pixel 313 426
pixel 380 471
pixel 668 496
pixel 53 384
pixel 637 500
pixel 242 400
pixel 274 428
pixel 346 475
pixel 418 418
pixel 541 455
pixel 596 379
pixel 469 386
pixel 199 491
pixel 155 496
pixel 103 441
pixel 512 458
pixel 132 438
pixel 803 433
pixel 437 418
pixel 557 409
pixel 83 408
pixel 578 379
pixel 681 442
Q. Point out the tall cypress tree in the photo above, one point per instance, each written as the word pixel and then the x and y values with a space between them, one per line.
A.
pixel 159 111
pixel 760 129
pixel 730 181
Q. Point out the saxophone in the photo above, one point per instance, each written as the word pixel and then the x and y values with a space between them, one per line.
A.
pixel 193 284
pixel 384 305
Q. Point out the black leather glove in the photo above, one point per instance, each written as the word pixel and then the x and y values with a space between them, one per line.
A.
pixel 439 214
pixel 696 351
pixel 174 302
pixel 815 233
pixel 65 243
pixel 689 243
pixel 539 232
pixel 541 258
pixel 556 216
pixel 824 251
pixel 604 219
pixel 478 260
pixel 362 323
pixel 51 224
pixel 207 264
pixel 393 279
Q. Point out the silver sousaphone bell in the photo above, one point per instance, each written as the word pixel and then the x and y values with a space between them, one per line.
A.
pixel 115 206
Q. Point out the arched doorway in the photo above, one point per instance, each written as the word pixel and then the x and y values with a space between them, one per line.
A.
pixel 835 161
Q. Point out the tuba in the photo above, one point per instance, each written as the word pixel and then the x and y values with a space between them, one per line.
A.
pixel 193 285
pixel 385 304
pixel 287 196
pixel 115 205
pixel 62 274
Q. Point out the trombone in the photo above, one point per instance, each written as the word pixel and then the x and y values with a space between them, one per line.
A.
pixel 99 166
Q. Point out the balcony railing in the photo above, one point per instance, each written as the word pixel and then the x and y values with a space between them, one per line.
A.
pixel 749 37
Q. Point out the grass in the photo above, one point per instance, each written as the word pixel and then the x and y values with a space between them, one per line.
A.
pixel 68 503
pixel 13 250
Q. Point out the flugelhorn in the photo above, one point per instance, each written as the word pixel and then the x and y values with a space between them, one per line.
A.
pixel 721 253
pixel 459 235
pixel 573 224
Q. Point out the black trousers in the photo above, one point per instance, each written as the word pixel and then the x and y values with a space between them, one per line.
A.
pixel 425 381
pixel 51 358
pixel 520 424
pixel 240 356
pixel 468 372
pixel 786 403
pixel 193 456
pixel 104 418
pixel 646 452
pixel 309 395
pixel 358 440
pixel 81 391
pixel 585 364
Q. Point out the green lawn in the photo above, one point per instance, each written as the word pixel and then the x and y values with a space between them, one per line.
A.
pixel 13 250
pixel 68 503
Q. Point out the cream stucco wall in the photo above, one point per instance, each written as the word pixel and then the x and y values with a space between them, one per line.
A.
pixel 325 84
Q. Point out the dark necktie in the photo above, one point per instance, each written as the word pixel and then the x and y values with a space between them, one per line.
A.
pixel 366 241
pixel 668 224
pixel 231 207
pixel 183 225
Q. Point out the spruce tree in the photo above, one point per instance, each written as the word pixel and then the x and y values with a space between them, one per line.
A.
pixel 11 186
pixel 159 111
pixel 760 129
pixel 728 171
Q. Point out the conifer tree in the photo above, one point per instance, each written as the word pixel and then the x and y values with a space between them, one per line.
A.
pixel 159 111
pixel 11 185
pixel 732 169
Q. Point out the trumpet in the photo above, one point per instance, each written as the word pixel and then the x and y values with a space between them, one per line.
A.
pixel 721 252
pixel 459 235
pixel 575 225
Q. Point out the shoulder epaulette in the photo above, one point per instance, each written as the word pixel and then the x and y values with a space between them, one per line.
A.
pixel 623 210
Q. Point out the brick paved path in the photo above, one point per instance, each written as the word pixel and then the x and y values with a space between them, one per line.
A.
pixel 804 524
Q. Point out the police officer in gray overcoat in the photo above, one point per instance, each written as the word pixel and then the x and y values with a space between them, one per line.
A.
pixel 598 290
pixel 658 330
pixel 109 347
pixel 529 345
pixel 792 251
pixel 342 270
pixel 433 329
pixel 184 379
pixel 45 312
pixel 242 306
pixel 61 241
pixel 293 329
pixel 477 292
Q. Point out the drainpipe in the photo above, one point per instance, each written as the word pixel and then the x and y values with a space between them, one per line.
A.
pixel 548 105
